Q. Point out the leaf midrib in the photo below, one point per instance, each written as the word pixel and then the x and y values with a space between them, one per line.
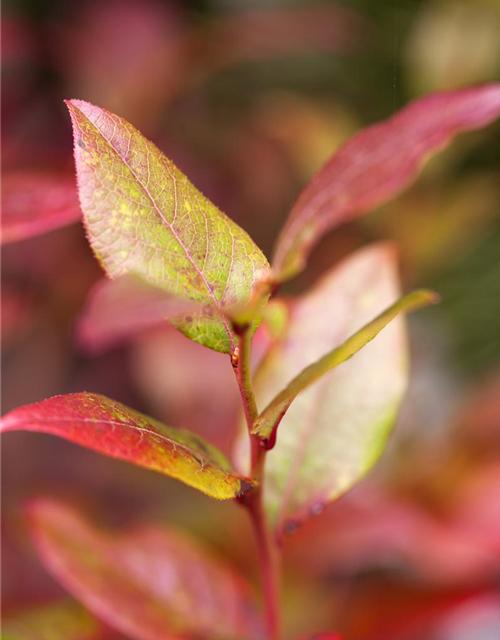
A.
pixel 115 423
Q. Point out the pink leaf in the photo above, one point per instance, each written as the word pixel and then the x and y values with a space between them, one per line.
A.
pixel 150 583
pixel 118 309
pixel 372 529
pixel 336 429
pixel 34 203
pixel 376 165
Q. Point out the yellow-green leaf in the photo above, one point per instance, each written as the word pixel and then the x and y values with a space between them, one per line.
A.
pixel 143 216
pixel 269 419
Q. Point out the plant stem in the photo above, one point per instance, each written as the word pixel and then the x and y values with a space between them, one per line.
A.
pixel 266 546
pixel 269 564
pixel 244 377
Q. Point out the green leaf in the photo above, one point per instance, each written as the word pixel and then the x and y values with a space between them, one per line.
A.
pixel 143 216
pixel 111 428
pixel 336 429
pixel 269 419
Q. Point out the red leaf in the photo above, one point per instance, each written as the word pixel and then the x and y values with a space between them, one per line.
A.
pixel 149 583
pixel 111 428
pixel 376 165
pixel 35 202
pixel 369 530
pixel 385 609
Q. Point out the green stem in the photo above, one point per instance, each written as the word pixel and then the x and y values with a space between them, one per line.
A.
pixel 266 546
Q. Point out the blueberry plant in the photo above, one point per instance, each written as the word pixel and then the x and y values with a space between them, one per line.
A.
pixel 318 408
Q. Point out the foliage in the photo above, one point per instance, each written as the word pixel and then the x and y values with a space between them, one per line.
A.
pixel 293 402
pixel 332 377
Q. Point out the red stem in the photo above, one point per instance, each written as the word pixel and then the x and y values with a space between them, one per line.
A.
pixel 269 565
pixel 266 546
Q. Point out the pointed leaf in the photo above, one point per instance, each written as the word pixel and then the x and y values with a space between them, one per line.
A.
pixel 150 583
pixel 335 430
pixel 144 217
pixel 269 419
pixel 118 309
pixel 376 165
pixel 35 202
pixel 111 428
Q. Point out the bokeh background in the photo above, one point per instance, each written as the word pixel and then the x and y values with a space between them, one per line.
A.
pixel 249 98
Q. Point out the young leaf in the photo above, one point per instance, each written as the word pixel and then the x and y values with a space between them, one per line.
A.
pixel 269 419
pixel 111 428
pixel 117 309
pixel 144 217
pixel 376 165
pixel 335 430
pixel 35 202
pixel 149 583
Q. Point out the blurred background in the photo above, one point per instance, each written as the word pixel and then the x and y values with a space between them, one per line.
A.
pixel 249 99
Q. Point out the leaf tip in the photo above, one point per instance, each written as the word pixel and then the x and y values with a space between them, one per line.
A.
pixel 428 296
pixel 434 297
pixel 71 104
pixel 75 102
pixel 7 423
pixel 87 109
